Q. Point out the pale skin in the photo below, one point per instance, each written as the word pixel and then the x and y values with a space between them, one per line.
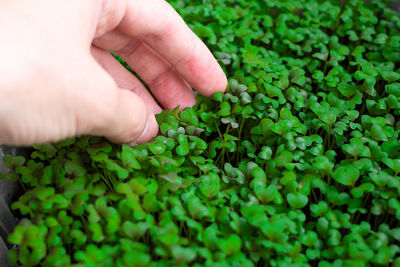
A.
pixel 57 79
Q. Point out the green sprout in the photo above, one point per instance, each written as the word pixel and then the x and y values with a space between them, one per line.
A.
pixel 296 164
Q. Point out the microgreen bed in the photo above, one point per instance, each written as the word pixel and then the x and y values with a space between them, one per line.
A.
pixel 298 163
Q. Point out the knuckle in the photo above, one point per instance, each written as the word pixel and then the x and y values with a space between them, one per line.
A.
pixel 188 57
pixel 160 81
pixel 130 48
pixel 177 89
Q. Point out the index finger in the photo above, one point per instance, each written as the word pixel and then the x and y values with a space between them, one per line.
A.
pixel 160 26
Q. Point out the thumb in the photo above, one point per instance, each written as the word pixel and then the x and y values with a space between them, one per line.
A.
pixel 77 99
pixel 117 114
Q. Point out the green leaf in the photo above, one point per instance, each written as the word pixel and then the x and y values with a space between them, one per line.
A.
pixel 189 117
pixel 183 148
pixel 390 76
pixel 309 239
pixel 328 118
pixel 12 162
pixel 356 148
pixel 210 185
pixel 225 109
pixel 230 245
pixel 128 158
pixel 318 210
pixel 383 256
pixel 157 148
pixel 209 236
pixel 393 89
pixel 393 164
pixel 334 237
pixel 218 96
pixel 74 169
pixel 182 254
pixel 346 175
pixel 297 200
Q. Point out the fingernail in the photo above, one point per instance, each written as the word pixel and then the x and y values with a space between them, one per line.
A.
pixel 150 130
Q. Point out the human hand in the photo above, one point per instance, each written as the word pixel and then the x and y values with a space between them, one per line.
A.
pixel 57 80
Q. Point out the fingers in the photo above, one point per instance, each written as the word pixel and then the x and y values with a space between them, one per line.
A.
pixel 129 121
pixel 163 80
pixel 124 78
pixel 157 24
pixel 165 83
pixel 118 114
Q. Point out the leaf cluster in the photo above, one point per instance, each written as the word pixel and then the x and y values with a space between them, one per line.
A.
pixel 297 164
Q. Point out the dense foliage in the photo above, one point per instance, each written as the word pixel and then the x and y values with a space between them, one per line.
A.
pixel 297 164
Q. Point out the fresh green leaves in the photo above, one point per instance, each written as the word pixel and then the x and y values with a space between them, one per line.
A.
pixel 346 174
pixel 297 163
